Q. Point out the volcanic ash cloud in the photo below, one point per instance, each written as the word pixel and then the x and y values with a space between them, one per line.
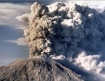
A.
pixel 67 31
pixel 59 29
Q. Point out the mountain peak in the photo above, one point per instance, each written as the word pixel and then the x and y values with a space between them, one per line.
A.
pixel 37 70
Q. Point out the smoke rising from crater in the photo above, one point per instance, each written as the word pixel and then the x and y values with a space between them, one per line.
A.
pixel 65 29
pixel 58 29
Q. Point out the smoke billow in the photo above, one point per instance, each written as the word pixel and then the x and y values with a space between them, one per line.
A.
pixel 23 18
pixel 90 62
pixel 67 29
pixel 54 30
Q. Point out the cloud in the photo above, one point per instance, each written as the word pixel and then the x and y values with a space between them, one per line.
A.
pixel 60 57
pixel 23 18
pixel 20 41
pixel 9 11
pixel 68 25
pixel 90 62
pixel 19 27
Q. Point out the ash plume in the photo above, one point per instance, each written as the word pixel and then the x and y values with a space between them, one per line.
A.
pixel 66 29
pixel 53 32
pixel 58 29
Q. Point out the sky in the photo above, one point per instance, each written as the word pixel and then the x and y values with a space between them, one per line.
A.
pixel 13 45
pixel 11 48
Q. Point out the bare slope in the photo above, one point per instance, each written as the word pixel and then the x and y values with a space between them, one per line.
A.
pixel 41 70
pixel 37 70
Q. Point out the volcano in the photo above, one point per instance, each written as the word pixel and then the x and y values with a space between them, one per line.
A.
pixel 60 29
pixel 41 69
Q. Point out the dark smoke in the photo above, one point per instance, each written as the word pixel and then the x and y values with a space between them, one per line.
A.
pixel 58 29
pixel 67 29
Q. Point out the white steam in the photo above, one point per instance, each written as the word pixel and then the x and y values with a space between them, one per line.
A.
pixel 90 62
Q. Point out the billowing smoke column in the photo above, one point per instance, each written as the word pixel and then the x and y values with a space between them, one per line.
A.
pixel 40 34
pixel 67 29
pixel 59 28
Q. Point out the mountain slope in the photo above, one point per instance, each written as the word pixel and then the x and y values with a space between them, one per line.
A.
pixel 37 70
pixel 41 69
